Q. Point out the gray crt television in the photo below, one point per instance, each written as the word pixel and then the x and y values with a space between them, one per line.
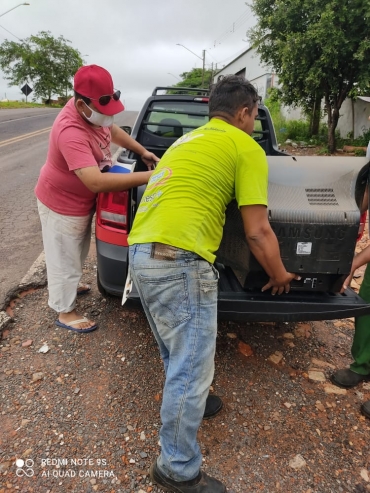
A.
pixel 314 210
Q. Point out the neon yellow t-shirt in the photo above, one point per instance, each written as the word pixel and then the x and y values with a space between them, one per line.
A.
pixel 186 197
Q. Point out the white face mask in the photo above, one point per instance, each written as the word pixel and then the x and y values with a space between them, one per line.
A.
pixel 99 119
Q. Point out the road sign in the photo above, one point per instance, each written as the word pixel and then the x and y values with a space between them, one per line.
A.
pixel 26 89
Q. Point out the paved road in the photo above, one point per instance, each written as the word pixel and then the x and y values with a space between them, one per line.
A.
pixel 24 137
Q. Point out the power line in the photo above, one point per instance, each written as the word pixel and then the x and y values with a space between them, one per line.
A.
pixel 235 26
pixel 231 57
pixel 11 33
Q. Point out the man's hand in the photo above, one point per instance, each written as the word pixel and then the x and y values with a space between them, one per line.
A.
pixel 280 286
pixel 149 159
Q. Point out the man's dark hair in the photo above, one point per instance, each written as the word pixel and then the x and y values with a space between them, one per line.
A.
pixel 231 93
pixel 84 98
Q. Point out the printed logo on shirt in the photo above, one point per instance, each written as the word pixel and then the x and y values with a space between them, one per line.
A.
pixel 160 177
pixel 185 138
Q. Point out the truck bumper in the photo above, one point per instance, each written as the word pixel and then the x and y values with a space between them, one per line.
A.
pixel 236 303
pixel 291 307
pixel 112 262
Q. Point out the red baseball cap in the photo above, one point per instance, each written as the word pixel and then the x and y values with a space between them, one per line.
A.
pixel 93 82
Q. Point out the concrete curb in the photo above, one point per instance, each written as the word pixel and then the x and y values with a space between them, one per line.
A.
pixel 35 278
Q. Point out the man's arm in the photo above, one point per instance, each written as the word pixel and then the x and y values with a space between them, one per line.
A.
pixel 96 181
pixel 123 139
pixel 264 245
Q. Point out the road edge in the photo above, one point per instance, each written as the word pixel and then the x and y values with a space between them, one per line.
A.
pixel 34 278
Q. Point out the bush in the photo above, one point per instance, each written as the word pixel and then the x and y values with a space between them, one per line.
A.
pixel 297 130
pixel 277 118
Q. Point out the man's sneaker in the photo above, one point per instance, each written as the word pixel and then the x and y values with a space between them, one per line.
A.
pixel 201 484
pixel 365 409
pixel 347 378
pixel 213 406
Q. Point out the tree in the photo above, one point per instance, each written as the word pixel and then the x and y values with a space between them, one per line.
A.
pixel 194 78
pixel 318 48
pixel 45 62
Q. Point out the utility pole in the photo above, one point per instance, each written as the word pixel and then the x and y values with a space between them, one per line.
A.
pixel 204 63
pixel 203 58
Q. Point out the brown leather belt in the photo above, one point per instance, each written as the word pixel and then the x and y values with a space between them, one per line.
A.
pixel 163 252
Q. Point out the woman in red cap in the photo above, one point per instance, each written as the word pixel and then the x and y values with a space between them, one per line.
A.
pixel 79 149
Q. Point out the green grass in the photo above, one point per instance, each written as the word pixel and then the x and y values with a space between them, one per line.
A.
pixel 9 105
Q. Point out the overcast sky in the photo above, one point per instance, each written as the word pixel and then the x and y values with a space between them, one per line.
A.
pixel 135 40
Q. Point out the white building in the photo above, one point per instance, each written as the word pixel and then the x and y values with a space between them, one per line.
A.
pixel 354 114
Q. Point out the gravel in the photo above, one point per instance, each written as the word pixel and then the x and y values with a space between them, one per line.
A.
pixel 82 415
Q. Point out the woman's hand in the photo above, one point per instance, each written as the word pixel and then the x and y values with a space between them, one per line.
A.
pixel 149 159
pixel 347 282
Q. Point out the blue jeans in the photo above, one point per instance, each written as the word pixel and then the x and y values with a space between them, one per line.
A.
pixel 179 297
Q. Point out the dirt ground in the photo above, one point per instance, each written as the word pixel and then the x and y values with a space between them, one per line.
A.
pixel 80 413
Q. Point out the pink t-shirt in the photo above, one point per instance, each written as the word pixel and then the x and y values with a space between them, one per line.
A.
pixel 73 144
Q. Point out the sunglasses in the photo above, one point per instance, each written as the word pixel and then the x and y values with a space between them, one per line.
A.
pixel 104 100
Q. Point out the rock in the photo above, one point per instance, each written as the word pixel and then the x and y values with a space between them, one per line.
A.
pixel 276 357
pixel 27 343
pixel 4 466
pixel 333 389
pixel 37 376
pixel 245 349
pixel 316 376
pixel 287 405
pixel 322 364
pixel 231 335
pixel 297 463
pixel 365 475
pixel 320 406
pixel 4 320
pixel 44 349
pixel 300 331
pixel 288 335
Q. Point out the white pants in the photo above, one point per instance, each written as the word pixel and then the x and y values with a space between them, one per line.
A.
pixel 66 244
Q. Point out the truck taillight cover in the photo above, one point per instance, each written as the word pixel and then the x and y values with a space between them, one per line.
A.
pixel 113 209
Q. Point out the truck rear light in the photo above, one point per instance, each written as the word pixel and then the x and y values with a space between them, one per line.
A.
pixel 112 210
pixel 362 225
pixel 204 100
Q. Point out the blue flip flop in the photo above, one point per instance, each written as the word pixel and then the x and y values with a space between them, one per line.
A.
pixel 80 331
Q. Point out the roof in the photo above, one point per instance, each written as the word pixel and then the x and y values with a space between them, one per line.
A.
pixel 365 98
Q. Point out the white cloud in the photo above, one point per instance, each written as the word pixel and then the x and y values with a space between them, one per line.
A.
pixel 135 40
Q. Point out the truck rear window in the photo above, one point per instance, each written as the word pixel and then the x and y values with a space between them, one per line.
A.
pixel 176 118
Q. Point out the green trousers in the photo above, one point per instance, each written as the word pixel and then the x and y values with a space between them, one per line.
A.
pixel 361 340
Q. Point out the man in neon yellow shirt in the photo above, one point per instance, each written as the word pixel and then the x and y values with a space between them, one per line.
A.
pixel 176 232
